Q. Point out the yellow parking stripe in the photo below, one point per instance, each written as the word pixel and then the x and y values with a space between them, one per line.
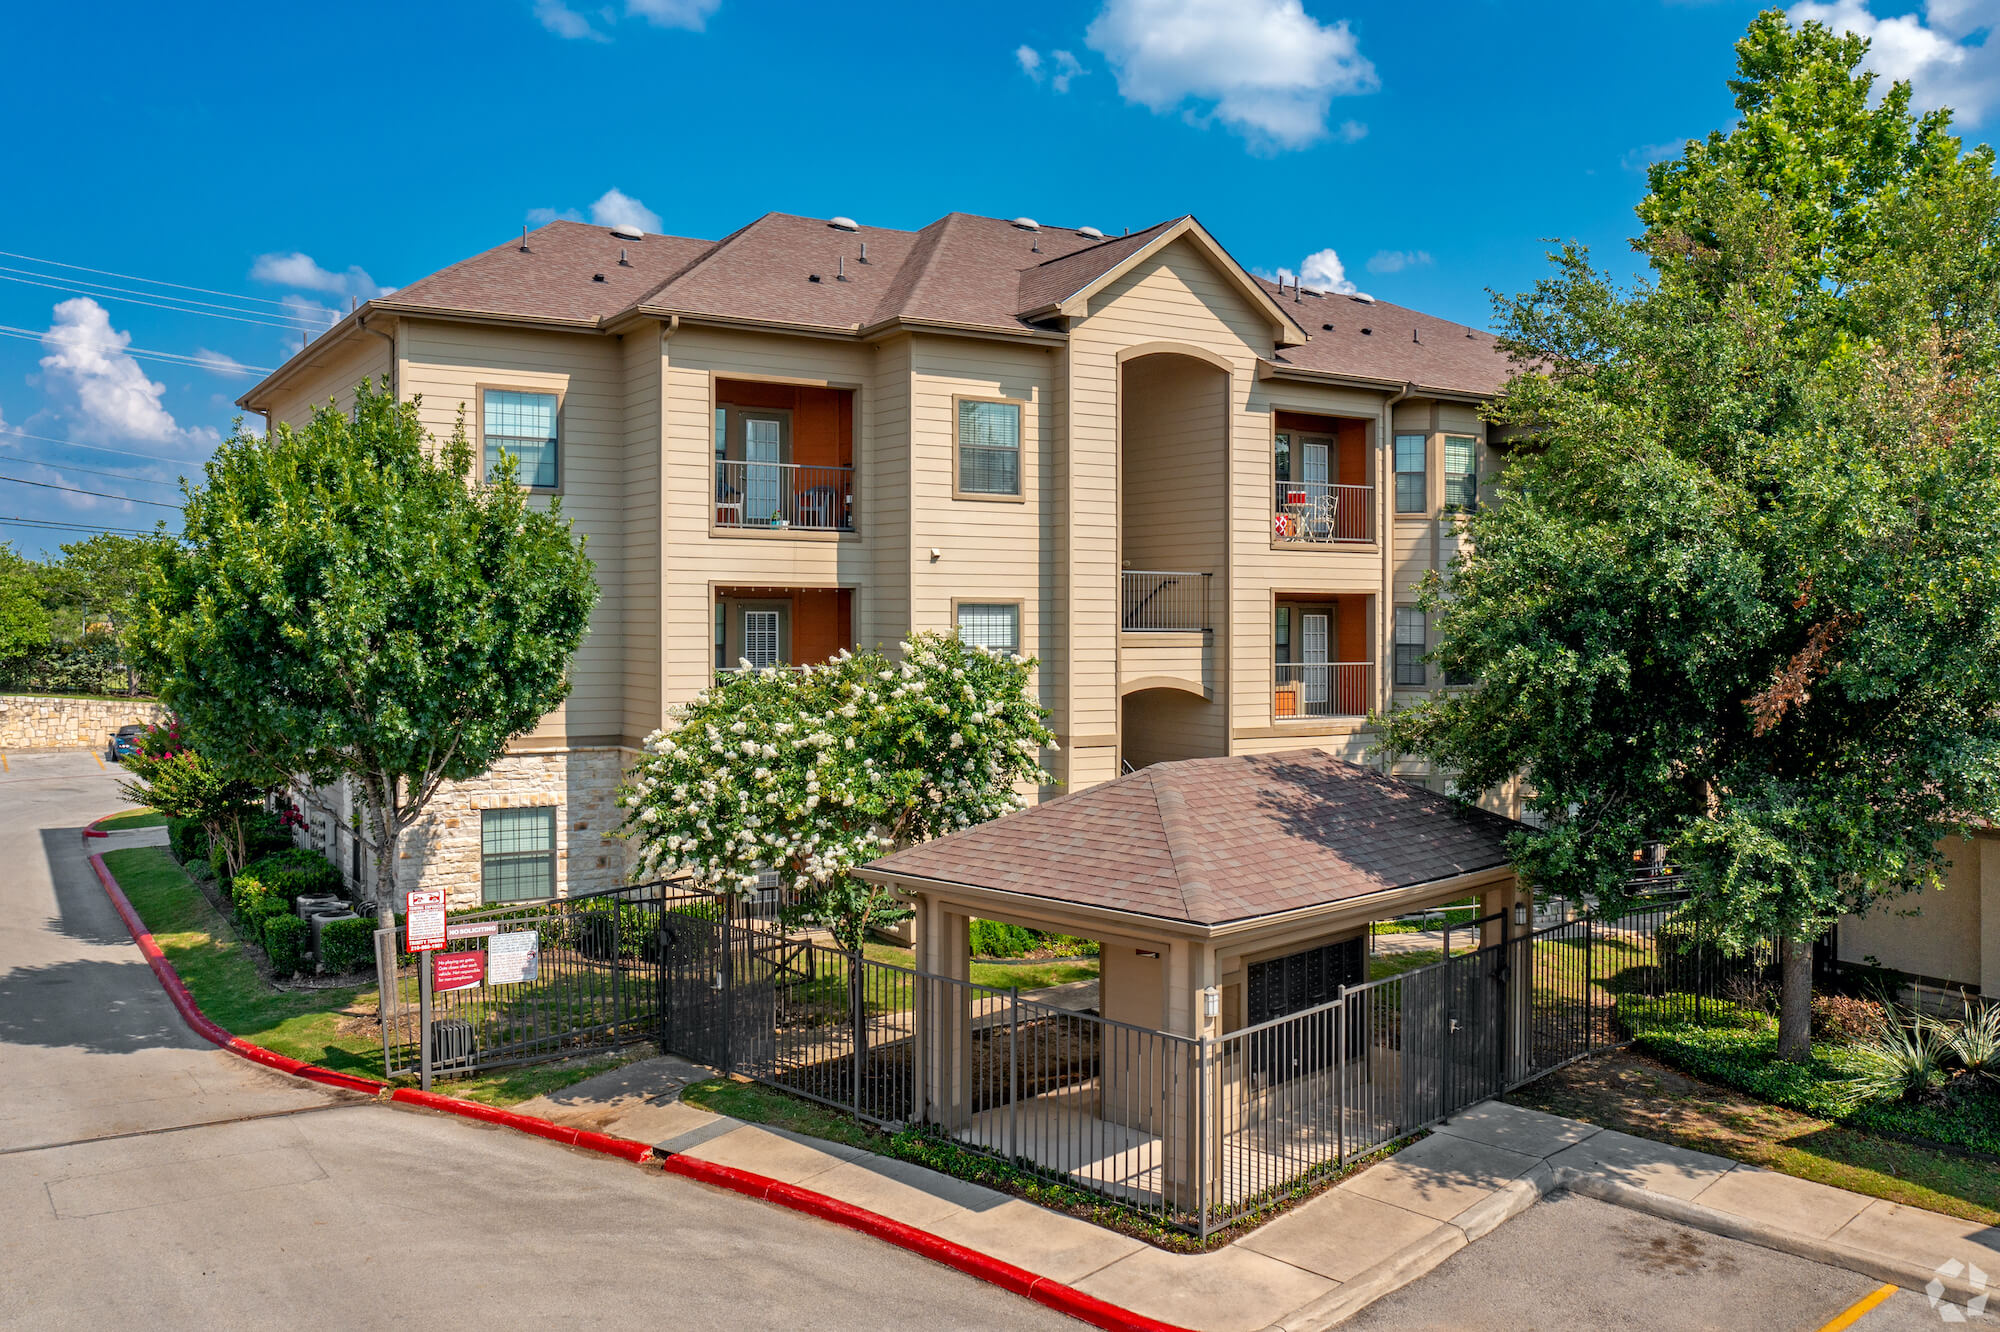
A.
pixel 3 763
pixel 99 757
pixel 1854 1312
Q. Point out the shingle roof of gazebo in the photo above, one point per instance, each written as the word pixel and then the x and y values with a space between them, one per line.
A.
pixel 1214 840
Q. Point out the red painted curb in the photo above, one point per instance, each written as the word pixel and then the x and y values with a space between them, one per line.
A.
pixel 94 831
pixel 1054 1294
pixel 1042 1290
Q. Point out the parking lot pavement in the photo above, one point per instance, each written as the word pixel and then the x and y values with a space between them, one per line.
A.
pixel 1573 1262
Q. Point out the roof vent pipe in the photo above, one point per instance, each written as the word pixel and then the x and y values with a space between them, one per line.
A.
pixel 524 240
pixel 623 262
pixel 840 273
pixel 864 252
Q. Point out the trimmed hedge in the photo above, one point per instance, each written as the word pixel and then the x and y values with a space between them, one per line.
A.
pixel 287 939
pixel 347 945
pixel 1738 1047
pixel 187 839
pixel 991 938
pixel 294 871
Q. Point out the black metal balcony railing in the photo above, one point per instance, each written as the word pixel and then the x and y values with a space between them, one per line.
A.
pixel 1320 512
pixel 1153 601
pixel 1323 689
pixel 784 495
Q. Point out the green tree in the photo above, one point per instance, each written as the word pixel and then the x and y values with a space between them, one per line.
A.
pixel 169 776
pixel 814 773
pixel 1739 594
pixel 348 601
pixel 95 589
pixel 24 623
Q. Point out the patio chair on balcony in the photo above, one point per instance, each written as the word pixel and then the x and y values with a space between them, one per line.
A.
pixel 1318 515
pixel 728 504
pixel 819 507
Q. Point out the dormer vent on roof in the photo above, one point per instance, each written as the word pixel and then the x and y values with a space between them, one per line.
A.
pixel 844 224
pixel 626 231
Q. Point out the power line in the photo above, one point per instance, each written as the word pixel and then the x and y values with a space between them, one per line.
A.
pixel 74 527
pixel 122 476
pixel 178 300
pixel 171 358
pixel 133 277
pixel 177 309
pixel 100 494
pixel 99 448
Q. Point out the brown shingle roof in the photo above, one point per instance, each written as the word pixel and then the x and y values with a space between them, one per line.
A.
pixel 554 278
pixel 1440 355
pixel 964 270
pixel 1210 841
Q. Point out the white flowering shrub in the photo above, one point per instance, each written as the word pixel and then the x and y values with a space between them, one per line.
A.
pixel 817 771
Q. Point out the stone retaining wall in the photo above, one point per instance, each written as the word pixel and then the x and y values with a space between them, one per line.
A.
pixel 33 721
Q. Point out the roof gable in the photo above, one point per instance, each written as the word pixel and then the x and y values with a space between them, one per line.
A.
pixel 1121 260
pixel 1214 841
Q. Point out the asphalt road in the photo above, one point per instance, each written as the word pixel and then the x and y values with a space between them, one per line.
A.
pixel 1572 1262
pixel 149 1180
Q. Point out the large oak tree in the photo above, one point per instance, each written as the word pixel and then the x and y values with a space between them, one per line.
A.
pixel 1740 593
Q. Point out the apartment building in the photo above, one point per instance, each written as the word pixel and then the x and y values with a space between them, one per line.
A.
pixel 1203 500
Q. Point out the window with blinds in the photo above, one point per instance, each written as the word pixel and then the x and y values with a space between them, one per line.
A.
pixel 760 638
pixel 989 448
pixel 1411 483
pixel 1410 646
pixel 517 854
pixel 1461 477
pixel 992 625
pixel 524 425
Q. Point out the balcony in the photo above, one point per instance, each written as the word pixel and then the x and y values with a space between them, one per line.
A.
pixel 1323 513
pixel 1307 690
pixel 785 496
pixel 1152 601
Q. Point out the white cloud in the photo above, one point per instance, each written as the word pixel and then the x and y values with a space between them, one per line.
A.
pixel 614 208
pixel 1067 67
pixel 298 270
pixel 1323 271
pixel 1395 261
pixel 563 21
pixel 1265 68
pixel 1352 131
pixel 1638 159
pixel 1948 54
pixel 111 397
pixel 689 14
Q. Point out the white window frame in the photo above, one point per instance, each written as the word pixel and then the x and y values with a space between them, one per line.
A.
pixel 959 446
pixel 1010 610
pixel 490 443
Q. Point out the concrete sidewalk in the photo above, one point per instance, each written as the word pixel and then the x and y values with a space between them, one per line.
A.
pixel 1331 1256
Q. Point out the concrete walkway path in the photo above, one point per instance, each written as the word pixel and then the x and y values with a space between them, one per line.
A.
pixel 1334 1255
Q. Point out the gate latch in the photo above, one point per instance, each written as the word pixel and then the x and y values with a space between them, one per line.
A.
pixel 1453 1029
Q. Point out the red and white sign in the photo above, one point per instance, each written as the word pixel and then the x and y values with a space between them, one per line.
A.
pixel 458 971
pixel 424 923
pixel 471 929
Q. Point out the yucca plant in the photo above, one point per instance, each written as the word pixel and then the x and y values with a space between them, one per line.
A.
pixel 1902 1061
pixel 1973 1043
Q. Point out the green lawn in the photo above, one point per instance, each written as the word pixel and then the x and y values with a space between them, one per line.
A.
pixel 1384 965
pixel 998 975
pixel 331 1028
pixel 136 818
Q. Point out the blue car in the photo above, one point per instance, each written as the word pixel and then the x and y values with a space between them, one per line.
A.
pixel 125 742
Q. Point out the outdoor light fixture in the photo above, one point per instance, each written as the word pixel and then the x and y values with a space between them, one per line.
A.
pixel 1520 913
pixel 1153 953
pixel 1211 1002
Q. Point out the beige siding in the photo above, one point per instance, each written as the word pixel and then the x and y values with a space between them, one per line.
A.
pixel 1160 725
pixel 1934 933
pixel 331 377
pixel 445 365
pixel 643 593
pixel 700 557
pixel 989 549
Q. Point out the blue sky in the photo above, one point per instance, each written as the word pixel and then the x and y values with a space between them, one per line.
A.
pixel 292 158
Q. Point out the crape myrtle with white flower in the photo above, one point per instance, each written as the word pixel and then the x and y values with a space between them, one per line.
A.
pixel 816 771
